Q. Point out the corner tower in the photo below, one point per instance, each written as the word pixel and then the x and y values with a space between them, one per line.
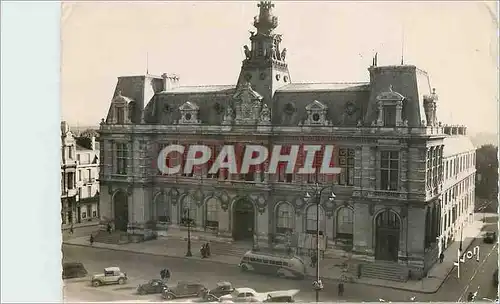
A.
pixel 264 66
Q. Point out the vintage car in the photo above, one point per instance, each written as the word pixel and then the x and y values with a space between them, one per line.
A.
pixel 73 270
pixel 250 295
pixel 285 296
pixel 490 237
pixel 111 275
pixel 183 290
pixel 151 287
pixel 222 289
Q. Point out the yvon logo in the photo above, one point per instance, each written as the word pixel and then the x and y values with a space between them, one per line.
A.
pixel 236 161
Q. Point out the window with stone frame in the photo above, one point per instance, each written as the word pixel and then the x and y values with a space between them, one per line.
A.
pixel 345 226
pixel 121 158
pixel 312 220
pixel 215 151
pixel 284 218
pixel 389 115
pixel 281 175
pixel 429 169
pixel 120 115
pixel 435 167
pixel 346 163
pixel 212 216
pixel 389 170
pixel 184 160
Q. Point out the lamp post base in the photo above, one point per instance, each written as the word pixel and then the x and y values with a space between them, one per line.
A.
pixel 189 254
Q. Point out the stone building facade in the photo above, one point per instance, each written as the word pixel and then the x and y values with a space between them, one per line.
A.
pixel 389 144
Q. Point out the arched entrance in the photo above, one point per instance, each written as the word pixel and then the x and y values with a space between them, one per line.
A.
pixel 120 203
pixel 243 220
pixel 387 228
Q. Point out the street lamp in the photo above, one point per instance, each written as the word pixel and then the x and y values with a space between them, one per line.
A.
pixel 188 222
pixel 316 197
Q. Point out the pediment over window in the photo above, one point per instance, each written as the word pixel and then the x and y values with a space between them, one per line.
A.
pixel 245 92
pixel 189 106
pixel 316 105
pixel 316 114
pixel 390 95
pixel 189 113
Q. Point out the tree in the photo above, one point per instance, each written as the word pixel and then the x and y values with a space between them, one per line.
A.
pixel 487 172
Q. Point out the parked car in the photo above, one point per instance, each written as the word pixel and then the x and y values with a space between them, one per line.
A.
pixel 183 290
pixel 73 270
pixel 151 287
pixel 490 237
pixel 284 296
pixel 222 289
pixel 111 275
pixel 495 278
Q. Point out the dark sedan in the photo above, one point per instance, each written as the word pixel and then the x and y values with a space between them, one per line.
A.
pixel 490 237
pixel 222 289
pixel 183 290
pixel 151 287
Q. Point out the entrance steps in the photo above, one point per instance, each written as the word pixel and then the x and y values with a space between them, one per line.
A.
pixel 390 271
pixel 230 249
pixel 115 237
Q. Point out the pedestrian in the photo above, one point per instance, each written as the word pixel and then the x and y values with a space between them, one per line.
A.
pixel 162 274
pixel 207 249
pixel 108 228
pixel 167 274
pixel 71 230
pixel 441 257
pixel 203 251
pixel 313 260
pixel 91 240
pixel 341 289
pixel 289 251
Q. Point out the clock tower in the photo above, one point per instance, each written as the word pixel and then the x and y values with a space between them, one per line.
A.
pixel 264 66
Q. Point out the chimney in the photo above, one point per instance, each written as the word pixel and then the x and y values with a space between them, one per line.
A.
pixel 92 143
pixel 170 81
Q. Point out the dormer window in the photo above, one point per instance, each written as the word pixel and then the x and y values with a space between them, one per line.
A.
pixel 389 116
pixel 189 113
pixel 390 105
pixel 316 114
pixel 120 115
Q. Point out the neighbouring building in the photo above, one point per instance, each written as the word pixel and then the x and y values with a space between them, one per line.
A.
pixel 79 177
pixel 87 177
pixel 68 174
pixel 393 200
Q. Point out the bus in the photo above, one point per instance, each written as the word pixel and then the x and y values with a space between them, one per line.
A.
pixel 266 263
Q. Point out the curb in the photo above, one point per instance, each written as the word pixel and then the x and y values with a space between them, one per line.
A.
pixel 226 263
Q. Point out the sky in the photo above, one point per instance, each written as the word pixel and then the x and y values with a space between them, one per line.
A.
pixel 202 42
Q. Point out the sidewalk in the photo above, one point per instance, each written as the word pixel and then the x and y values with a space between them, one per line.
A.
pixel 175 246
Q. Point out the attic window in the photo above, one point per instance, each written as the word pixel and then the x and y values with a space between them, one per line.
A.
pixel 120 115
pixel 390 116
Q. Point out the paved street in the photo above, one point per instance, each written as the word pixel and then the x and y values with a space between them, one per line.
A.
pixel 141 268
